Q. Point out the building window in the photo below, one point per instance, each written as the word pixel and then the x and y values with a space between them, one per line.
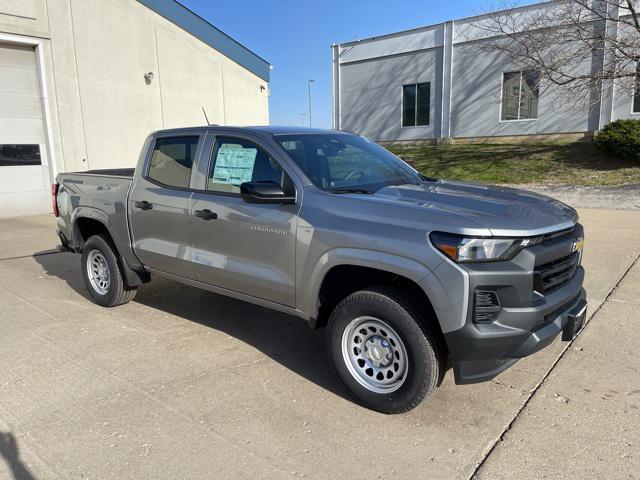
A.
pixel 12 155
pixel 172 159
pixel 416 103
pixel 636 94
pixel 520 92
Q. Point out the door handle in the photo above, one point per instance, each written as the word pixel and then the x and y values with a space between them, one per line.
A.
pixel 144 205
pixel 205 214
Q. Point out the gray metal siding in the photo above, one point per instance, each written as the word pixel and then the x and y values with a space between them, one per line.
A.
pixel 371 95
pixel 622 106
pixel 476 92
pixel 622 98
pixel 396 43
pixel 370 73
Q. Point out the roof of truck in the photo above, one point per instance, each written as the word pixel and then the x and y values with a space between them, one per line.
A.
pixel 271 130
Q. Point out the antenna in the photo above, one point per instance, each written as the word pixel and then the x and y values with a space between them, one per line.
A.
pixel 205 116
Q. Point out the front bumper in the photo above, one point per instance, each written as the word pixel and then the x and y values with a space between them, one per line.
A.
pixel 490 352
pixel 527 323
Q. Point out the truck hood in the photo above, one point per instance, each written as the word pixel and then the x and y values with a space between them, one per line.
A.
pixel 504 211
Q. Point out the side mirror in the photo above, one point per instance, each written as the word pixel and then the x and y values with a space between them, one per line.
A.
pixel 264 192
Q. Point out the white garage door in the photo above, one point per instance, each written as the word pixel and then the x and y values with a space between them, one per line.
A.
pixel 24 171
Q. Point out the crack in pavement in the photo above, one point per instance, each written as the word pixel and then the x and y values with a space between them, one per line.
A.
pixel 509 426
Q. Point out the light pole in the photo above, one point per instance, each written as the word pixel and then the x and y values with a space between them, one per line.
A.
pixel 302 118
pixel 309 82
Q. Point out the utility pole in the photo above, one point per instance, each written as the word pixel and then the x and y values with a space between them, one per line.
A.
pixel 309 82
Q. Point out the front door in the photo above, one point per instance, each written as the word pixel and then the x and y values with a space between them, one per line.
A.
pixel 244 247
pixel 159 206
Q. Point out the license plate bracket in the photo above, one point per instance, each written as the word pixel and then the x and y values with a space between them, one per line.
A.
pixel 575 322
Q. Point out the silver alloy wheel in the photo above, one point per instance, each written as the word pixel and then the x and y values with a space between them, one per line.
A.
pixel 98 272
pixel 374 354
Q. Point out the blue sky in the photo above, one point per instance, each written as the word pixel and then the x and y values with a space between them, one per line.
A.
pixel 295 36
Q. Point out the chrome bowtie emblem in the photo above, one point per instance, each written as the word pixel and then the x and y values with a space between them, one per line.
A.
pixel 577 245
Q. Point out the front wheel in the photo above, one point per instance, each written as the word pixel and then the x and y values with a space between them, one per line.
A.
pixel 383 350
pixel 103 275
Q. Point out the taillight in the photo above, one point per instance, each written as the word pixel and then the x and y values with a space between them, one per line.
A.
pixel 54 200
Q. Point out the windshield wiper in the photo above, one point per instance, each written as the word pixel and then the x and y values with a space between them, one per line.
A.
pixel 424 178
pixel 349 190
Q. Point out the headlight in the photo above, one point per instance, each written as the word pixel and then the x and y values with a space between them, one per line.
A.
pixel 460 248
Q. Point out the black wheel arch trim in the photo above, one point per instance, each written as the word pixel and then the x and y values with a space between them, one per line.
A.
pixel 133 277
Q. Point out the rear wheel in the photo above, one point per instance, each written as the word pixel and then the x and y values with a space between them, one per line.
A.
pixel 383 350
pixel 103 275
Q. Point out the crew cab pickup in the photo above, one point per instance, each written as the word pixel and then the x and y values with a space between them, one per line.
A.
pixel 410 275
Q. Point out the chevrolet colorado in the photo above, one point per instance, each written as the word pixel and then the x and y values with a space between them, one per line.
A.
pixel 410 275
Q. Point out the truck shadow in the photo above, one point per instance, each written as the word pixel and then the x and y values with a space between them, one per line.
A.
pixel 11 454
pixel 283 338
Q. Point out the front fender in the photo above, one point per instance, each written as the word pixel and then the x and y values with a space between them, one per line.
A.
pixel 308 301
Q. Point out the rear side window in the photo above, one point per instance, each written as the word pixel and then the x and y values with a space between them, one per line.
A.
pixel 172 160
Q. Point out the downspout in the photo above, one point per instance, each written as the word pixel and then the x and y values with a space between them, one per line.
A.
pixel 336 87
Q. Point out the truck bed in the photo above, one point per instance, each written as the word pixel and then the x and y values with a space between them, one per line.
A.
pixel 110 172
pixel 100 195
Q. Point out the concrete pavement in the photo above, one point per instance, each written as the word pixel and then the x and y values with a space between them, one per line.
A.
pixel 621 197
pixel 584 420
pixel 183 383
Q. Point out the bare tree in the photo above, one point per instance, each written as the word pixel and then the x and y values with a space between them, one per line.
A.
pixel 582 47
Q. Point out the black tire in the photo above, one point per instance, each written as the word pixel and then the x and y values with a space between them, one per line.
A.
pixel 424 363
pixel 117 292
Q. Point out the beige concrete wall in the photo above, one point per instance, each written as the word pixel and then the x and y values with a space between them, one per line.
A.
pixel 193 75
pixel 96 53
pixel 24 17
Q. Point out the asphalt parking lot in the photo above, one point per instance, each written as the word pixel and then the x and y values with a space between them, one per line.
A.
pixel 183 383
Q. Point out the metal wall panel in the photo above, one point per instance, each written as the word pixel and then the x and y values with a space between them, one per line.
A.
pixel 467 86
pixel 371 95
pixel 476 100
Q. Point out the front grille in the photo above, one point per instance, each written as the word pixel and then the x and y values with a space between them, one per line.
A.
pixel 559 234
pixel 552 275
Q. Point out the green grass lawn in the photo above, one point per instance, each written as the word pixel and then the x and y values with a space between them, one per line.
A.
pixel 539 163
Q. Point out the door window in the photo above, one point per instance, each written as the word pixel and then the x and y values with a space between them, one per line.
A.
pixel 236 161
pixel 172 160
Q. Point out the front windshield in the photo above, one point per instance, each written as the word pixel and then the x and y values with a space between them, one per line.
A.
pixel 343 163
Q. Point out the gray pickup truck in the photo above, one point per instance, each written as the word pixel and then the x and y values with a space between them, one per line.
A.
pixel 410 275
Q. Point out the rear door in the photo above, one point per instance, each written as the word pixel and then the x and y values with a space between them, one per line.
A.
pixel 244 247
pixel 159 203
